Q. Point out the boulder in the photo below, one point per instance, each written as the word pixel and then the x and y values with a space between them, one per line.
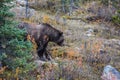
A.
pixel 110 73
pixel 20 12
pixel 37 4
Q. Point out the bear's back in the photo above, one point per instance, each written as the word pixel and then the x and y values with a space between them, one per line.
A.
pixel 35 30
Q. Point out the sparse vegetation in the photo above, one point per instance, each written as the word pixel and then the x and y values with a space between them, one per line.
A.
pixel 89 44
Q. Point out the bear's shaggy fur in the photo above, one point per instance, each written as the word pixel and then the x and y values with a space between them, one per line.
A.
pixel 42 34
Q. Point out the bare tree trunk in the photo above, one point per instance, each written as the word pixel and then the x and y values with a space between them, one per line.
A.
pixel 71 7
pixel 63 6
pixel 26 12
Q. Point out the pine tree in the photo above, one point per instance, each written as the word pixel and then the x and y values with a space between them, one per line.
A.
pixel 14 51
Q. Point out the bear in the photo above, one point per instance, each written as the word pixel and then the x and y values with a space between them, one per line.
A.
pixel 43 34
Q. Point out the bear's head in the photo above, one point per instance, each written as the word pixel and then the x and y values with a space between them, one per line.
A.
pixel 53 34
pixel 60 39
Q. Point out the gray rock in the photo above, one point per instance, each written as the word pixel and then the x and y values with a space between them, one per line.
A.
pixel 36 4
pixel 21 2
pixel 90 33
pixel 110 73
pixel 20 12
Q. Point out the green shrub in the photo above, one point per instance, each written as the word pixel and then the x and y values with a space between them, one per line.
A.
pixel 116 18
pixel 14 51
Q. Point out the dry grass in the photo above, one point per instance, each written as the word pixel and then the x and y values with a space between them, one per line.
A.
pixel 81 58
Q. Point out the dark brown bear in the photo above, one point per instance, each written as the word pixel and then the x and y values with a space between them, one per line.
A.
pixel 43 33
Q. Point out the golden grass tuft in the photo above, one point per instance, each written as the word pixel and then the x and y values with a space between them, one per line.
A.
pixel 29 38
pixel 2 69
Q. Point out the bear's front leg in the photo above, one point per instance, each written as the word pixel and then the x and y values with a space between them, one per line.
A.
pixel 41 52
pixel 44 54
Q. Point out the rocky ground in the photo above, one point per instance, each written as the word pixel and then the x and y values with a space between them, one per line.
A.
pixel 89 46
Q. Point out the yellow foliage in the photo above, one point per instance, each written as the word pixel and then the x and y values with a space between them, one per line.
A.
pixel 46 19
pixel 30 20
pixel 38 77
pixel 2 69
pixel 29 38
pixel 17 71
pixel 66 17
pixel 54 52
pixel 34 44
pixel 57 52
pixel 26 20
pixel 71 53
